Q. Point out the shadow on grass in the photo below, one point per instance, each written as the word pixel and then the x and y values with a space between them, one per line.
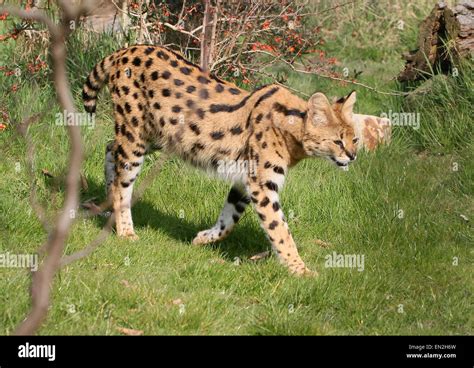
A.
pixel 244 241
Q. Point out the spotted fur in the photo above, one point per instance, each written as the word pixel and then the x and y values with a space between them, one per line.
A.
pixel 162 101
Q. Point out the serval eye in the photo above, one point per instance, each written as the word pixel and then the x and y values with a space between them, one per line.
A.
pixel 339 143
pixel 355 140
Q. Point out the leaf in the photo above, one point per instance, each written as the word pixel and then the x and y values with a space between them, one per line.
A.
pixel 260 256
pixel 177 301
pixel 464 217
pixel 322 243
pixel 130 331
pixel 47 173
pixel 84 184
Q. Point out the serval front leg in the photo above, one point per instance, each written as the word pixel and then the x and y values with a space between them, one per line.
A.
pixel 264 186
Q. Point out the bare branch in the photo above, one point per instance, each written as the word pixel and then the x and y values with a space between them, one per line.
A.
pixel 42 279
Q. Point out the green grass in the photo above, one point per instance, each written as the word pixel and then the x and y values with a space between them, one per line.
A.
pixel 409 260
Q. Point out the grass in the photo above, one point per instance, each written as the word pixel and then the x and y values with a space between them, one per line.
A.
pixel 400 207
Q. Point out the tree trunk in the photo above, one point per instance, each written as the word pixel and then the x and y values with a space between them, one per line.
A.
pixel 445 37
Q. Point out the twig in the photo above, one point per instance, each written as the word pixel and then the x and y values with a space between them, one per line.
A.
pixel 389 93
pixel 42 279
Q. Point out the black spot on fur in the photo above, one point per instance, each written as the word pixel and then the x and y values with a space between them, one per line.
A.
pixel 178 82
pixel 236 130
pixel 130 137
pixel 265 201
pixel 119 109
pixel 185 70
pixel 271 185
pixel 176 109
pixel 195 128
pixel 122 152
pixel 125 90
pixel 200 113
pixel 219 88
pixel 279 170
pixel 204 94
pixel 135 121
pixel 259 136
pixel 157 106
pixel 166 74
pixel 240 207
pixel 148 63
pixel 197 146
pixel 273 225
pixel 137 61
pixel 128 108
pixel 276 206
pixel 203 80
pixel 217 135
pixel 166 92
pixel 234 91
pixel 235 196
pixel 190 89
pixel 149 50
pixel 162 55
pixel 154 75
pixel 174 63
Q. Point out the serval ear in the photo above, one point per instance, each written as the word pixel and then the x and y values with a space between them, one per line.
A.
pixel 319 109
pixel 348 106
